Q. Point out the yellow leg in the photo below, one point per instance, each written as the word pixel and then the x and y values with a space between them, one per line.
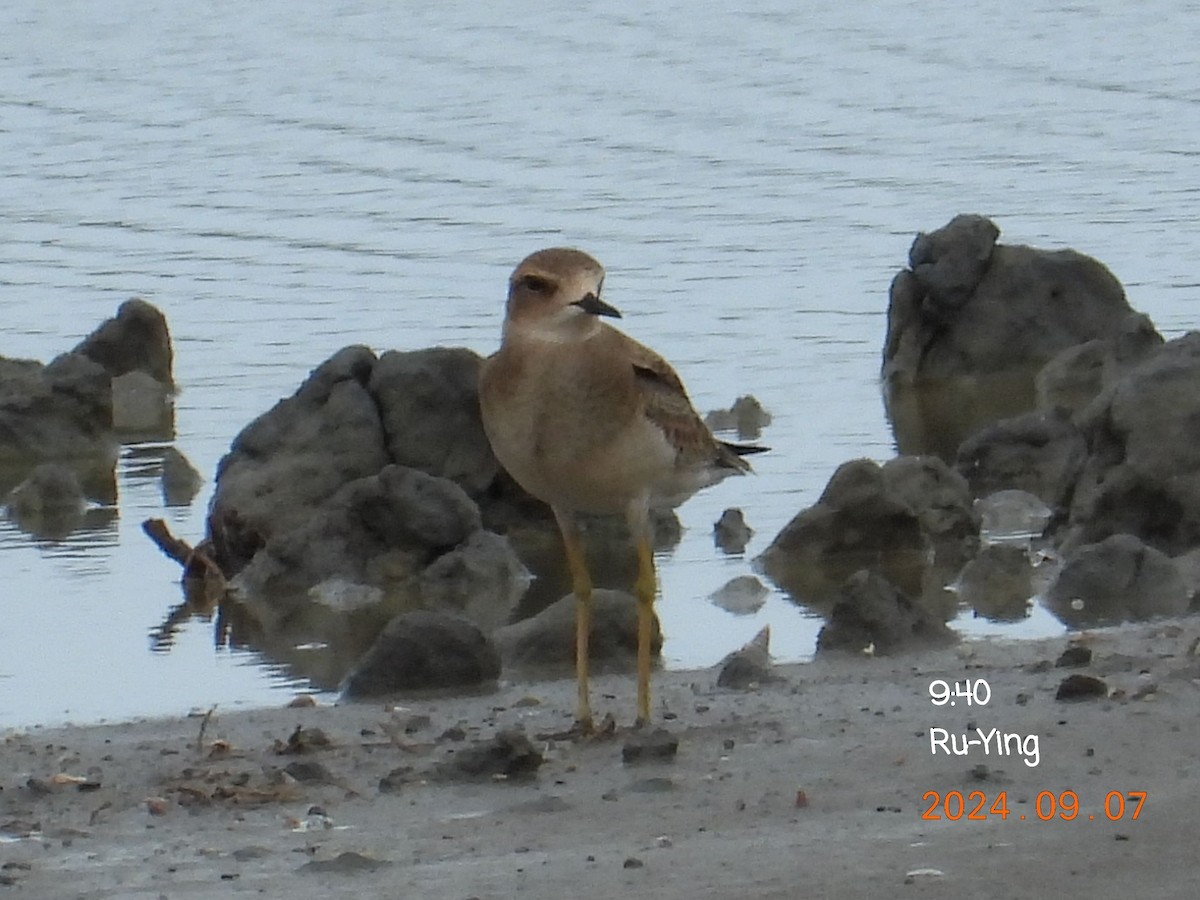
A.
pixel 644 588
pixel 581 584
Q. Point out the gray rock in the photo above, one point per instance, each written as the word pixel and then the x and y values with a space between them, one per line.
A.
pixel 1117 580
pixel 1142 475
pixel 381 530
pixel 136 339
pixel 1077 375
pixel 429 404
pixel 509 754
pixel 56 412
pixel 942 500
pixel 731 533
pixel 289 461
pixel 421 650
pixel 872 613
pixel 482 579
pixel 750 665
pixel 548 639
pixel 859 522
pixel 1041 453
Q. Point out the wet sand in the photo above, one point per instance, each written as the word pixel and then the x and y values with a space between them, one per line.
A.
pixel 812 786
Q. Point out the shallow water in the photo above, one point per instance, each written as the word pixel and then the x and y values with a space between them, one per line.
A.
pixel 283 180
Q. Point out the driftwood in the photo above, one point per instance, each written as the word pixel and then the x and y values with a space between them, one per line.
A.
pixel 196 563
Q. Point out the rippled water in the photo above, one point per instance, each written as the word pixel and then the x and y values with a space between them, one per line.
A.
pixel 285 179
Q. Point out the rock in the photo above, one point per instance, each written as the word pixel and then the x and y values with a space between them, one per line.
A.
pixel 548 639
pixel 382 530
pixel 49 502
pixel 1117 580
pixel 1073 657
pixel 942 501
pixel 747 417
pixel 289 461
pixel 348 862
pixel 420 650
pixel 136 339
pixel 1012 516
pixel 142 406
pixel 482 579
pixel 971 323
pixel 1081 687
pixel 859 522
pixel 1142 476
pixel 509 754
pixel 998 583
pixel 873 614
pixel 429 404
pixel 57 412
pixel 1077 375
pixel 180 480
pixel 749 665
pixel 1041 453
pixel 742 595
pixel 731 533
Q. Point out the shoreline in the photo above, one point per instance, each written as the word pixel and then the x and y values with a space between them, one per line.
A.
pixel 818 785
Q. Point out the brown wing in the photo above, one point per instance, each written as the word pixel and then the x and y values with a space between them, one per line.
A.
pixel 665 403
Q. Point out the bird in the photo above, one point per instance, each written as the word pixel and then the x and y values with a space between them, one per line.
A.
pixel 590 421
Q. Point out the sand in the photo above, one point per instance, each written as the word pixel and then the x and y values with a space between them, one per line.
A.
pixel 814 786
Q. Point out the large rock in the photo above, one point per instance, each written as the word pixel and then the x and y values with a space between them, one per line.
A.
pixel 429 404
pixel 894 520
pixel 57 412
pixel 1142 475
pixel 381 530
pixel 971 322
pixel 1041 453
pixel 873 615
pixel 289 461
pixel 1117 580
pixel 424 650
pixel 136 339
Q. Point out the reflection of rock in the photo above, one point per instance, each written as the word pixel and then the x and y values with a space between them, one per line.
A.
pixel 142 405
pixel 420 650
pixel 971 322
pixel 998 583
pixel 548 639
pixel 871 613
pixel 731 533
pixel 742 596
pixel 903 520
pixel 1012 516
pixel 1143 474
pixel 48 503
pixel 180 480
pixel 1038 452
pixel 1116 580
pixel 747 417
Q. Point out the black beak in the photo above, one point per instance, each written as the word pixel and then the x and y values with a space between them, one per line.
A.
pixel 597 307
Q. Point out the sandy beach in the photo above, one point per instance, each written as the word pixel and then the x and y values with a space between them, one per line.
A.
pixel 823 784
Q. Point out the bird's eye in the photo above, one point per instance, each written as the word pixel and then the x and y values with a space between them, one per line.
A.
pixel 537 284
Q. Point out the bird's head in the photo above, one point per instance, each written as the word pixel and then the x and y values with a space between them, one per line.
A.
pixel 554 294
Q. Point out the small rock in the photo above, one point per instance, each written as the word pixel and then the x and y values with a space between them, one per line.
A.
pixel 632 862
pixel 309 771
pixel 1081 687
pixel 509 754
pixel 1074 656
pixel 742 595
pixel 750 665
pixel 731 533
pixel 347 863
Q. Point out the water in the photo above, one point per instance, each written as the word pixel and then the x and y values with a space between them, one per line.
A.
pixel 285 179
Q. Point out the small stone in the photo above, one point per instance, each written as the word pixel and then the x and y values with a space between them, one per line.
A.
pixel 1074 656
pixel 632 862
pixel 1081 687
